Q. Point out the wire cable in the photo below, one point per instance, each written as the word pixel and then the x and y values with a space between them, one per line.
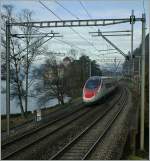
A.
pixel 49 10
pixel 87 12
pixel 68 43
pixel 85 9
pixel 66 9
pixel 69 27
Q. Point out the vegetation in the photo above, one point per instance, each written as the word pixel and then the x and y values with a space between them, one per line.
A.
pixel 22 55
pixel 60 78
pixel 134 157
pixel 57 78
pixel 77 72
pixel 17 119
pixel 137 54
pixel 136 101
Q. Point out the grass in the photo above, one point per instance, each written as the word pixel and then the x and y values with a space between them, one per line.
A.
pixel 134 157
pixel 140 155
pixel 17 119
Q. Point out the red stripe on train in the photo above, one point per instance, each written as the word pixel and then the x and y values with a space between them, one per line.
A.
pixel 89 93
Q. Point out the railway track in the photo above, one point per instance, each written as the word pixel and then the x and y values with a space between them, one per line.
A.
pixel 14 148
pixel 82 145
pixel 30 138
pixel 24 141
pixel 46 119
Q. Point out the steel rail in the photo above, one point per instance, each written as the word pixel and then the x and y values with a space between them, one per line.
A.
pixel 32 119
pixel 41 127
pixel 65 148
pixel 109 125
pixel 6 157
pixel 43 137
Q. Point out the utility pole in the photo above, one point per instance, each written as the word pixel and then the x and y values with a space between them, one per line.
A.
pixel 139 73
pixel 64 23
pixel 132 58
pixel 115 68
pixel 142 84
pixel 8 76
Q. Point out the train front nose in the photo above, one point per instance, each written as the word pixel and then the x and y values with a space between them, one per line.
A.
pixel 90 90
pixel 89 94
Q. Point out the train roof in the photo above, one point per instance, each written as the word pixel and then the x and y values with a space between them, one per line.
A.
pixel 94 77
pixel 100 77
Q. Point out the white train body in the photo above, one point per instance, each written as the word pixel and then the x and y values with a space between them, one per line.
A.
pixel 97 87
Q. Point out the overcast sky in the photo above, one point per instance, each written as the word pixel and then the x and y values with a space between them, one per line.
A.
pixel 96 9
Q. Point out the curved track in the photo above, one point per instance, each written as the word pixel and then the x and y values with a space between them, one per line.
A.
pixel 15 147
pixel 27 139
pixel 47 119
pixel 81 146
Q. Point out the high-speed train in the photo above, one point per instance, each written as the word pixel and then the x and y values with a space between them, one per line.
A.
pixel 97 87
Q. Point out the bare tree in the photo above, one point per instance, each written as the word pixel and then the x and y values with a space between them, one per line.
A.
pixel 52 85
pixel 6 16
pixel 31 50
pixel 15 58
pixel 21 60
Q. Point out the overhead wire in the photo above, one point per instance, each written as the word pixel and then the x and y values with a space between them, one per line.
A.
pixel 59 19
pixel 69 27
pixel 35 30
pixel 89 15
pixel 87 12
pixel 67 10
pixel 73 16
pixel 68 43
pixel 46 34
pixel 85 9
pixel 49 10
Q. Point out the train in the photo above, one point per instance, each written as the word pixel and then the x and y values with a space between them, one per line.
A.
pixel 97 87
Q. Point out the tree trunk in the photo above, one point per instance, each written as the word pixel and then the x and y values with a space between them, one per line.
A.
pixel 61 97
pixel 26 96
pixel 19 92
pixel 62 102
pixel 20 100
pixel 27 73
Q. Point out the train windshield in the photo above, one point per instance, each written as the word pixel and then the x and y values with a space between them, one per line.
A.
pixel 92 84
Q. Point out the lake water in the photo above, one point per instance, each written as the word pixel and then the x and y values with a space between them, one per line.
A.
pixel 32 102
